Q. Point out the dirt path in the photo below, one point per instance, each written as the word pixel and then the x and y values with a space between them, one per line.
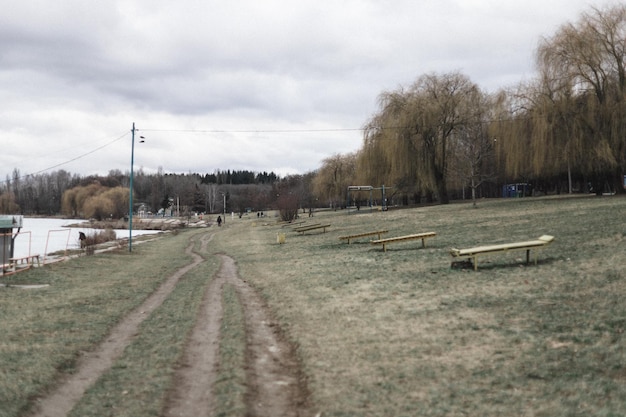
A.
pixel 274 383
pixel 194 379
pixel 274 386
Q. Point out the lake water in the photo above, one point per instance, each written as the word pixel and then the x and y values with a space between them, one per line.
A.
pixel 45 236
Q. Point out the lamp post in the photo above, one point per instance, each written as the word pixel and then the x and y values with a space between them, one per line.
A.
pixel 130 199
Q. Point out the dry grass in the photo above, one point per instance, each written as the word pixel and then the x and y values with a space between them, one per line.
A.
pixel 97 238
pixel 44 331
pixel 379 334
pixel 401 333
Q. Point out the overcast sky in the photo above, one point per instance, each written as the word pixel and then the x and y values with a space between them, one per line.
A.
pixel 270 85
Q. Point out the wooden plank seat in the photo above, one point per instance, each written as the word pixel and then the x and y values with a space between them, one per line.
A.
pixel 293 224
pixel 474 253
pixel 387 241
pixel 302 230
pixel 21 263
pixel 25 260
pixel 304 226
pixel 360 235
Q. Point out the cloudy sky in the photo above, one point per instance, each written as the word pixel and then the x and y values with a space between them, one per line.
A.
pixel 270 85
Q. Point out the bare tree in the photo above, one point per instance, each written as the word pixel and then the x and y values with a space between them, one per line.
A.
pixel 472 146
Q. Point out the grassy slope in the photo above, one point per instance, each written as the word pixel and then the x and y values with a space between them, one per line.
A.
pixel 401 333
pixel 43 331
pixel 396 333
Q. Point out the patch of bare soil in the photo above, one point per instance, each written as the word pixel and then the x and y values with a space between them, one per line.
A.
pixel 275 386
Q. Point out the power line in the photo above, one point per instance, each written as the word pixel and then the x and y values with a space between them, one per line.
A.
pixel 75 158
pixel 201 131
pixel 254 131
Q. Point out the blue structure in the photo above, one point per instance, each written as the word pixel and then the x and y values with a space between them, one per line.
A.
pixel 520 189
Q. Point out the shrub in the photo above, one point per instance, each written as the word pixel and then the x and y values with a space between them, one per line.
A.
pixel 288 207
pixel 96 238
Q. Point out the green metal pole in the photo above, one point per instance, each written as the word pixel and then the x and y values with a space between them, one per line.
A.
pixel 130 198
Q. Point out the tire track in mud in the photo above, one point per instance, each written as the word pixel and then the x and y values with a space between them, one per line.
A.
pixel 195 377
pixel 93 364
pixel 274 380
pixel 274 386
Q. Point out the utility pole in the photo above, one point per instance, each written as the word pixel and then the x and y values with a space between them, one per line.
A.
pixel 130 198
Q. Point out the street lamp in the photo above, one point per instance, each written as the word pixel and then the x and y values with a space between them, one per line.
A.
pixel 130 199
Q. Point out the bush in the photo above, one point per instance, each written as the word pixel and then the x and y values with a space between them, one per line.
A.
pixel 288 207
pixel 96 238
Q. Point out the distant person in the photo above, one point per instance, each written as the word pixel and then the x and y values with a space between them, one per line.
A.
pixel 82 238
pixel 219 220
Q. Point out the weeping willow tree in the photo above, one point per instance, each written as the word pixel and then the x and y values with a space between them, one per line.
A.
pixel 333 178
pixel 571 119
pixel 585 61
pixel 412 132
pixel 373 164
pixel 389 154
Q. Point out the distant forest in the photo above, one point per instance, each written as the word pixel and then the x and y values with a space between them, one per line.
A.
pixel 439 139
pixel 63 193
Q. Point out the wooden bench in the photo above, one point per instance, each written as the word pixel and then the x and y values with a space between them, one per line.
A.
pixel 360 235
pixel 302 230
pixel 24 262
pixel 474 253
pixel 304 226
pixel 422 236
pixel 293 224
pixel 29 260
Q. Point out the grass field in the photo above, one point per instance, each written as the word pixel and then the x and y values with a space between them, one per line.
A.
pixel 396 333
pixel 402 334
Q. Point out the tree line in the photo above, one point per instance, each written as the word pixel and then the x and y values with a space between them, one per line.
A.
pixel 100 197
pixel 563 131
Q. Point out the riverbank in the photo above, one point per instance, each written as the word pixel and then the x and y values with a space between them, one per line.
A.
pixel 152 223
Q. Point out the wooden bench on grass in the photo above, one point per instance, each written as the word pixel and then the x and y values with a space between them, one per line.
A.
pixel 293 224
pixel 304 229
pixel 360 235
pixel 422 236
pixel 474 253
pixel 23 262
pixel 304 226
